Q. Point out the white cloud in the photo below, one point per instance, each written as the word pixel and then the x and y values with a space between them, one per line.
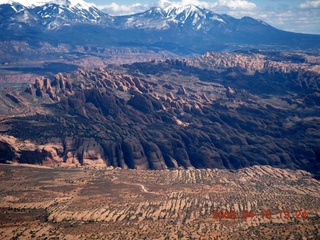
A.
pixel 310 4
pixel 197 3
pixel 165 3
pixel 292 19
pixel 122 9
pixel 226 4
pixel 236 4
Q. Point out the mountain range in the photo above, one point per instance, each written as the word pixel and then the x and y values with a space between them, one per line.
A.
pixel 180 29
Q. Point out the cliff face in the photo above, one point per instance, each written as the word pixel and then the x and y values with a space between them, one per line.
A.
pixel 226 111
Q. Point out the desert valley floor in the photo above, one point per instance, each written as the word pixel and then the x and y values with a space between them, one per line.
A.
pixel 61 203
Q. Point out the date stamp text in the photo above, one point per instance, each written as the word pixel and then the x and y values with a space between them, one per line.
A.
pixel 264 214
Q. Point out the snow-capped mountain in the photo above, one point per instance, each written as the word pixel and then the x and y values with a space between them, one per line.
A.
pixel 193 16
pixel 185 17
pixel 182 16
pixel 49 14
pixel 181 29
pixel 37 3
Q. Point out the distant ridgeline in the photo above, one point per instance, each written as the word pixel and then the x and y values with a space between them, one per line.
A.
pixel 182 30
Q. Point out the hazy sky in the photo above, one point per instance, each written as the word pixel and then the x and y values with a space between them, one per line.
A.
pixel 291 15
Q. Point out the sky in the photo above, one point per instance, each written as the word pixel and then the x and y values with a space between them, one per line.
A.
pixel 291 15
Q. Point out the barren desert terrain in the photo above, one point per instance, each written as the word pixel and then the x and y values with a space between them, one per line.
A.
pixel 83 203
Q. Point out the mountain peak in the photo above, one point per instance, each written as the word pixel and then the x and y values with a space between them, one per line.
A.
pixel 192 16
pixel 51 14
pixel 36 3
pixel 187 10
pixel 178 8
pixel 175 15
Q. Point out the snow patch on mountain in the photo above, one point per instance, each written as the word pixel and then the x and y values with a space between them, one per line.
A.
pixel 198 17
pixel 179 15
pixel 264 23
pixel 174 10
pixel 54 14
pixel 216 18
pixel 37 3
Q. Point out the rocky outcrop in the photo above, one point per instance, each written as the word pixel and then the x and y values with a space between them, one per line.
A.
pixel 168 114
pixel 15 150
pixel 250 62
